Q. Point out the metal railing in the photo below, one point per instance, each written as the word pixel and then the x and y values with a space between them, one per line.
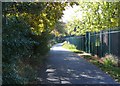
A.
pixel 102 43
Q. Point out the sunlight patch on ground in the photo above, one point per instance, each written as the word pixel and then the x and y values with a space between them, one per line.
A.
pixel 88 54
pixel 65 82
pixel 50 74
pixel 58 49
pixel 50 70
pixel 52 79
pixel 87 76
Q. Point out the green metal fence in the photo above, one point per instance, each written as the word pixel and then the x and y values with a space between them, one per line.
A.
pixel 102 43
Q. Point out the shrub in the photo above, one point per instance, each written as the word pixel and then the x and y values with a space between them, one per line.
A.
pixel 10 76
pixel 18 45
pixel 52 42
pixel 110 60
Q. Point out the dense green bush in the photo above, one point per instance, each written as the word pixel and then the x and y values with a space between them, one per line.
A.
pixel 52 42
pixel 42 41
pixel 26 31
pixel 18 45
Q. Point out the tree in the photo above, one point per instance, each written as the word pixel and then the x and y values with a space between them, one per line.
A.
pixel 26 30
pixel 59 29
pixel 96 16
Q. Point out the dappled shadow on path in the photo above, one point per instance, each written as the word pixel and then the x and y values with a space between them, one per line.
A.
pixel 64 67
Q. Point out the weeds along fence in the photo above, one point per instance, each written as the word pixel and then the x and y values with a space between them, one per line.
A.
pixel 102 43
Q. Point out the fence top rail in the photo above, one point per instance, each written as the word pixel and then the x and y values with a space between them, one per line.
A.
pixel 104 32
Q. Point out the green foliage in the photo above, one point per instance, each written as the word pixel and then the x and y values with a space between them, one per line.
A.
pixel 108 62
pixel 96 16
pixel 111 60
pixel 16 45
pixel 15 74
pixel 69 46
pixel 52 42
pixel 26 32
pixel 59 29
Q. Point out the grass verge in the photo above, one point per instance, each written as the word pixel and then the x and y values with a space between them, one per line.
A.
pixel 71 47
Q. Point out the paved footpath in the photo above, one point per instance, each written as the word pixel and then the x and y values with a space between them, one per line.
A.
pixel 65 67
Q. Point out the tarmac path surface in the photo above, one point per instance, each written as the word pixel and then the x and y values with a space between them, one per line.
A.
pixel 65 67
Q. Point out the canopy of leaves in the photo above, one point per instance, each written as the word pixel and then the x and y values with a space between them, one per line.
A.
pixel 96 16
pixel 59 29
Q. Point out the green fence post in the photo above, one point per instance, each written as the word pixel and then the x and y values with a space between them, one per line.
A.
pixel 84 43
pixel 100 43
pixel 94 43
pixel 95 49
pixel 88 42
pixel 109 40
pixel 80 43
